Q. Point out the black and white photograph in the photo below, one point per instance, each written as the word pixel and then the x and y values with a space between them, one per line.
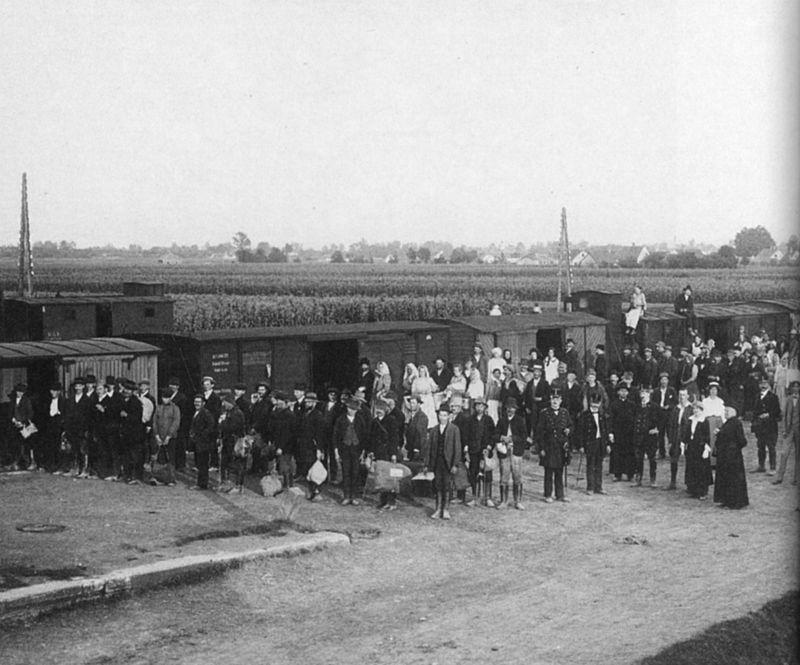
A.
pixel 406 333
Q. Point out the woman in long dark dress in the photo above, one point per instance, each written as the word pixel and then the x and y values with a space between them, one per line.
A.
pixel 730 485
pixel 698 454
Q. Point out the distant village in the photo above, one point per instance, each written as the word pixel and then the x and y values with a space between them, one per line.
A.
pixel 751 246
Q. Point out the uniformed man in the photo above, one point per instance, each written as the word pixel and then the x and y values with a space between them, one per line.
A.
pixel 552 445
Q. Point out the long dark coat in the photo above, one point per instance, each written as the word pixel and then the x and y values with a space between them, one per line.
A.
pixel 730 487
pixel 698 470
pixel 552 437
pixel 623 459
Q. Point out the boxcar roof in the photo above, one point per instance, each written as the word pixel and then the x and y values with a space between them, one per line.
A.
pixel 105 298
pixel 96 346
pixel 792 304
pixel 328 331
pixel 519 322
pixel 717 310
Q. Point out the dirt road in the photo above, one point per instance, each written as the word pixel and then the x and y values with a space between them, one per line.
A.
pixel 555 583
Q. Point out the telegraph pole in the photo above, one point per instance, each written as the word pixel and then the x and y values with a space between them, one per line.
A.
pixel 25 276
pixel 564 260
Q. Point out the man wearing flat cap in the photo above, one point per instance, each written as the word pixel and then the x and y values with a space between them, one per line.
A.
pixel 444 452
pixel 511 434
pixel 552 445
pixel 481 439
pixel 648 372
pixel 350 438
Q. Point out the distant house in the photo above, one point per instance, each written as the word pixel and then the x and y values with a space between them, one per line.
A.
pixel 489 259
pixel 583 259
pixel 224 257
pixel 537 259
pixel 170 259
pixel 390 258
pixel 617 255
pixel 765 256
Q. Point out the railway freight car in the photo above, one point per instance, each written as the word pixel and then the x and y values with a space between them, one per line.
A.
pixel 316 356
pixel 520 333
pixel 38 364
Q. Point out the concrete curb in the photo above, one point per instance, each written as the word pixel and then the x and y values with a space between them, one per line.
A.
pixel 32 601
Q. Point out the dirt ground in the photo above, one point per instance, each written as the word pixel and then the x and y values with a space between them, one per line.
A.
pixel 555 583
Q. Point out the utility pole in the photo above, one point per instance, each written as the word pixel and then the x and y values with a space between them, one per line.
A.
pixel 25 277
pixel 564 260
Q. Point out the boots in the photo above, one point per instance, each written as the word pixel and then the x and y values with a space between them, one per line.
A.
pixel 445 512
pixel 518 497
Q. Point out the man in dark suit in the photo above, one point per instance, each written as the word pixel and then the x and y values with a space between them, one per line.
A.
pixel 592 438
pixel 444 451
pixel 350 434
pixel 185 406
pixel 574 363
pixel 202 438
pixel 481 438
pixel 664 397
pixel 53 410
pixel 535 397
pixel 366 379
pixel 648 372
pixel 684 305
pixel 766 415
pixel 21 452
pixel 677 423
pixel 441 374
pixel 76 426
pixel 552 444
pixel 132 434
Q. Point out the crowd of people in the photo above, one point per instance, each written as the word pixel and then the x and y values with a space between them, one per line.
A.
pixel 469 424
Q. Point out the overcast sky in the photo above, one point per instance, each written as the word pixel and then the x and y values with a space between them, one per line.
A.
pixel 313 121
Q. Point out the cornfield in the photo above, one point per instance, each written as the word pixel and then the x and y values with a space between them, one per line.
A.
pixel 213 296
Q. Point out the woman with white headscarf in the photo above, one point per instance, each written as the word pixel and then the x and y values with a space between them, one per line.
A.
pixel 411 372
pixel 423 389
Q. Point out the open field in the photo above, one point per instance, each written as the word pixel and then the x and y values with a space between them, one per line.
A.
pixel 219 295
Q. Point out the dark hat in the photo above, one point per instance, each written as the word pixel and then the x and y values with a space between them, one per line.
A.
pixel 20 387
pixel 555 392
pixel 511 403
pixel 596 399
pixel 199 396
pixel 353 403
pixel 668 347
pixel 363 361
pixel 570 340
pixel 390 394
pixel 129 385
pixel 228 399
pixel 622 386
pixel 240 386
pixel 173 381
pixel 78 380
pixel 311 396
pixel 627 374
pixel 346 392
pixel 165 392
pixel 794 383
pixel 280 395
pixel 332 389
pixel 111 380
pixel 532 349
pixel 687 288
pixel 265 384
pixel 56 385
pixel 144 382
pixel 299 386
pixel 91 378
pixel 444 406
pixel 663 375
pixel 600 347
pixel 538 366
pixel 763 381
pixel 381 405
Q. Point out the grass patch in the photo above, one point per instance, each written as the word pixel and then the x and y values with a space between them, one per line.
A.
pixel 765 637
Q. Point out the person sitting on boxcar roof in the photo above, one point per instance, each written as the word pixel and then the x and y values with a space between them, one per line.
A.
pixel 637 310
pixel 684 305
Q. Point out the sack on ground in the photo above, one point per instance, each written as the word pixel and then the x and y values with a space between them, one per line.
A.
pixel 270 485
pixel 317 473
pixel 243 446
pixel 386 476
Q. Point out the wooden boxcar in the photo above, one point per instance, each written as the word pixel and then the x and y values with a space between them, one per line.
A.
pixel 520 333
pixel 316 356
pixel 40 363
